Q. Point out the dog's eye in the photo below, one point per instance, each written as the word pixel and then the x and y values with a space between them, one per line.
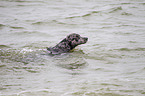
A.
pixel 76 39
pixel 73 39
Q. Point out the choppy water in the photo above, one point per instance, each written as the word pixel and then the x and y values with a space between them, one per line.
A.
pixel 111 63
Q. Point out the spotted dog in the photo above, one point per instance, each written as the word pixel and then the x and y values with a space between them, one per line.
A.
pixel 67 44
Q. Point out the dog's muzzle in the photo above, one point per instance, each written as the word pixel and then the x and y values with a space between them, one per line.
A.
pixel 86 39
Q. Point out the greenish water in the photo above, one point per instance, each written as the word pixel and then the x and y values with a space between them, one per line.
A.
pixel 111 63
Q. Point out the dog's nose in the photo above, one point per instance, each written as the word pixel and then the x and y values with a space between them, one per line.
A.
pixel 86 38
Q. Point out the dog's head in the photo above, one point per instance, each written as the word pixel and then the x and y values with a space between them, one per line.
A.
pixel 75 39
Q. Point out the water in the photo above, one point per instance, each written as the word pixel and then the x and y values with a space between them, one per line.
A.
pixel 111 63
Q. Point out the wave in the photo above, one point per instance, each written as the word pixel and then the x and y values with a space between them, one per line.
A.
pixel 105 11
pixel 23 55
pixel 4 46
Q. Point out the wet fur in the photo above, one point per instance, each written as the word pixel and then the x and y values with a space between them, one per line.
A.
pixel 67 44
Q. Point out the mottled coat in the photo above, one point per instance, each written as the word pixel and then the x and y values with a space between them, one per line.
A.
pixel 67 44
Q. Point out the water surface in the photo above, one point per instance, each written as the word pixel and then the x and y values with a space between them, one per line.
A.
pixel 111 63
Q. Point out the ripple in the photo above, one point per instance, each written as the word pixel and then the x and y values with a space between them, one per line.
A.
pixel 39 23
pixel 72 63
pixel 142 3
pixel 24 55
pixel 26 34
pixel 52 22
pixel 125 13
pixel 115 9
pixel 4 46
pixel 84 15
pixel 107 84
pixel 14 27
pixel 2 66
pixel 127 49
pixel 40 92
pixel 1 25
pixel 32 71
pixel 26 68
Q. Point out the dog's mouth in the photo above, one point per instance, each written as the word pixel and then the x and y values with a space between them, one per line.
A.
pixel 86 39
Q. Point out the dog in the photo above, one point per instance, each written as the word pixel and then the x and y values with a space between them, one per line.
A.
pixel 67 44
